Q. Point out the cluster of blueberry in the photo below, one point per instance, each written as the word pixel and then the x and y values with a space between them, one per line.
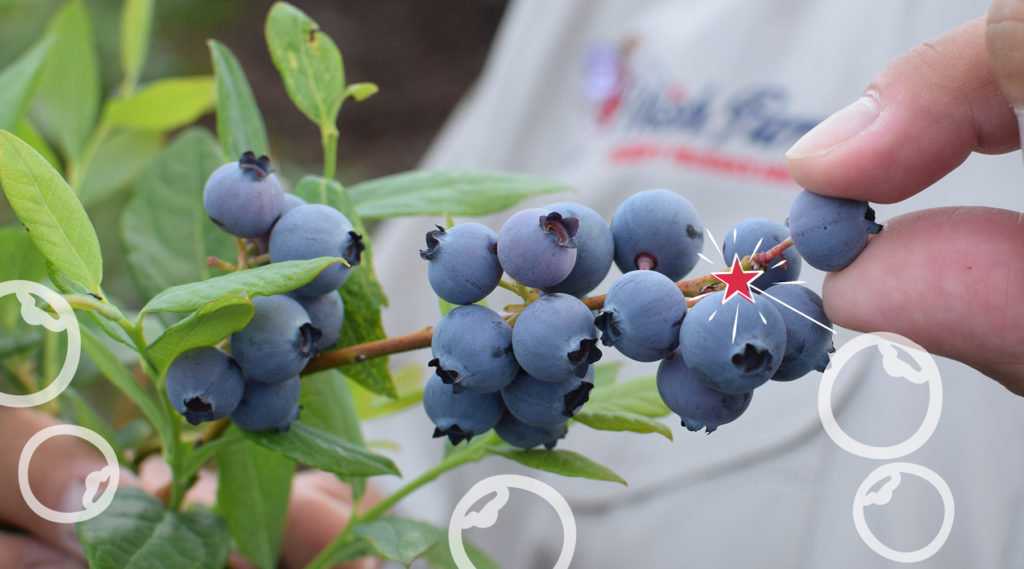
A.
pixel 525 374
pixel 257 385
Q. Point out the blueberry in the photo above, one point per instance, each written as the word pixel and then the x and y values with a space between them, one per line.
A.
pixel 757 235
pixel 472 348
pixel 660 229
pixel 642 314
pixel 519 434
pixel 315 230
pixel 697 404
pixel 460 416
pixel 808 344
pixel 463 261
pixel 735 346
pixel 244 198
pixel 546 403
pixel 554 338
pixel 278 342
pixel 594 252
pixel 266 406
pixel 204 384
pixel 326 314
pixel 291 201
pixel 830 232
pixel 537 247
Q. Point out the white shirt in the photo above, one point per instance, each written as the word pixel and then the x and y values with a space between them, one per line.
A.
pixel 703 97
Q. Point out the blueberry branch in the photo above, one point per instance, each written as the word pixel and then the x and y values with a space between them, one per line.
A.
pixel 693 289
pixel 368 350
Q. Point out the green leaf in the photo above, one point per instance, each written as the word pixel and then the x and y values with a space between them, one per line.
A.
pixel 408 383
pixel 136 25
pixel 213 321
pixel 604 419
pixel 164 105
pixel 399 539
pixel 76 410
pixel 253 498
pixel 440 556
pixel 309 63
pixel 69 96
pixel 46 206
pixel 115 371
pixel 136 532
pixel 239 123
pixel 605 373
pixel 563 462
pixel 362 294
pixel 19 81
pixel 456 192
pixel 328 405
pixel 632 405
pixel 165 230
pixel 260 281
pixel 28 132
pixel 361 91
pixel 120 158
pixel 19 260
pixel 325 451
pixel 639 396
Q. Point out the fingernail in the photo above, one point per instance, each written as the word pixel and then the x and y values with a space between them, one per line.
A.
pixel 72 502
pixel 843 125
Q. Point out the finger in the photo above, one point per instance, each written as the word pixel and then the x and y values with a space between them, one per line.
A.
pixel 946 278
pixel 917 120
pixel 318 511
pixel 155 476
pixel 56 476
pixel 25 552
pixel 1004 37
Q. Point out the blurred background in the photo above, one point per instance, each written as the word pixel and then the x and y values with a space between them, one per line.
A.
pixel 423 55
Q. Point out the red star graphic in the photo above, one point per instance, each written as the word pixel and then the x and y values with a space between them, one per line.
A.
pixel 737 281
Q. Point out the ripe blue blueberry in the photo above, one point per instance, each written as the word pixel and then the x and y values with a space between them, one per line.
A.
pixel 808 343
pixel 537 247
pixel 554 338
pixel 519 434
pixel 757 235
pixel 204 384
pixel 642 314
pixel 460 416
pixel 594 252
pixel 546 403
pixel 472 348
pixel 266 406
pixel 244 198
pixel 315 230
pixel 735 346
pixel 326 314
pixel 830 232
pixel 291 201
pixel 659 230
pixel 463 261
pixel 277 343
pixel 698 405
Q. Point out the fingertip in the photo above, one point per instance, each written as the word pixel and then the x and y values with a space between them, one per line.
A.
pixel 1004 38
pixel 945 278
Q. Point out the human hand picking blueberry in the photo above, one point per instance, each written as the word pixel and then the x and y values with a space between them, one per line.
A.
pixel 947 278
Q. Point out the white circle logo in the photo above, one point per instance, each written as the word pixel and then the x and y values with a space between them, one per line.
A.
pixel 109 473
pixel 889 345
pixel 64 321
pixel 462 519
pixel 891 473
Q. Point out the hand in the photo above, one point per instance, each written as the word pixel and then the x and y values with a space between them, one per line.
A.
pixel 319 508
pixel 918 120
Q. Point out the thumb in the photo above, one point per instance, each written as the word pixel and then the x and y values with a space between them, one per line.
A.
pixel 57 477
pixel 946 278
